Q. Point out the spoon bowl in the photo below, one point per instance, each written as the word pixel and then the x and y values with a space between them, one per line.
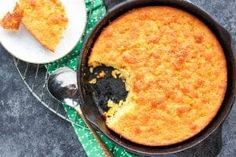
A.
pixel 62 85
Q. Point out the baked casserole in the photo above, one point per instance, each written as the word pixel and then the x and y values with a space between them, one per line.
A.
pixel 174 70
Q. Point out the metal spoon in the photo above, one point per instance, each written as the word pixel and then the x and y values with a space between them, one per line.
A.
pixel 62 85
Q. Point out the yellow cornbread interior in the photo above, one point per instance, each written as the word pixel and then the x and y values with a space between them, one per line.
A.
pixel 113 108
pixel 45 19
pixel 174 69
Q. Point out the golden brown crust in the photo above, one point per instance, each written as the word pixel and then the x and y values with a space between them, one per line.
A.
pixel 175 73
pixel 46 20
pixel 12 21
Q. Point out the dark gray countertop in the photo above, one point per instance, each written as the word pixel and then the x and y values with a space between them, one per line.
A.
pixel 28 129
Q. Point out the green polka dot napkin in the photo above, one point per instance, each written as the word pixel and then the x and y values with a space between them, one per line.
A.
pixel 96 10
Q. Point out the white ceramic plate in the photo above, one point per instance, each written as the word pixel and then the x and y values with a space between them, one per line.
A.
pixel 23 46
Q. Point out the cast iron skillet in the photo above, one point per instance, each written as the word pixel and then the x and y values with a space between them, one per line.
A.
pixel 89 104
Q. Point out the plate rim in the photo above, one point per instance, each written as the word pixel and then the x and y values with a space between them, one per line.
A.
pixel 52 60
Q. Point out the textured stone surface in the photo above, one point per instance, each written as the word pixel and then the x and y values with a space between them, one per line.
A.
pixel 28 129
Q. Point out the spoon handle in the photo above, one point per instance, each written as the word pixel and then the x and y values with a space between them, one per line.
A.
pixel 100 142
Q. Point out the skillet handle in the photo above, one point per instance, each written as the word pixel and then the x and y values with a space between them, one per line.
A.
pixel 96 136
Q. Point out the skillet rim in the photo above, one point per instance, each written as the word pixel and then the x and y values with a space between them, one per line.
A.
pixel 225 40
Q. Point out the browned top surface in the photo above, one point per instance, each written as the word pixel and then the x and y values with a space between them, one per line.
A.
pixel 175 72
